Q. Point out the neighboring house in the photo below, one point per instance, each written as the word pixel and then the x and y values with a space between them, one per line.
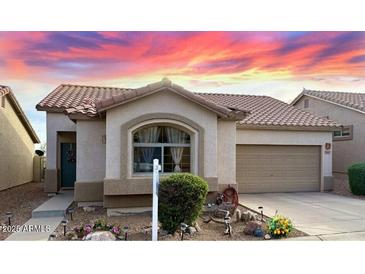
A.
pixel 349 110
pixel 17 139
pixel 102 141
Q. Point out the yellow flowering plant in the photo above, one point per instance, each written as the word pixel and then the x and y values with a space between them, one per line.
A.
pixel 279 226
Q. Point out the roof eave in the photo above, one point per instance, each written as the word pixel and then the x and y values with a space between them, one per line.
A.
pixel 50 109
pixel 296 99
pixel 79 116
pixel 167 85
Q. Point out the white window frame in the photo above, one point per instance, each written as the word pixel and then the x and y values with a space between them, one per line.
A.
pixel 342 137
pixel 194 137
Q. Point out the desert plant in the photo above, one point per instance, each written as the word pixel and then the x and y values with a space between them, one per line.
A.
pixel 356 174
pixel 279 226
pixel 99 225
pixel 181 199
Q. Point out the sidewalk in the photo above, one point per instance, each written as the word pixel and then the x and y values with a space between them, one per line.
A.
pixel 45 219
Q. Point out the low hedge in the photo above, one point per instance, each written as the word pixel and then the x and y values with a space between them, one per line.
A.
pixel 181 199
pixel 356 174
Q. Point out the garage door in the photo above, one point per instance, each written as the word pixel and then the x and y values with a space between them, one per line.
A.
pixel 278 168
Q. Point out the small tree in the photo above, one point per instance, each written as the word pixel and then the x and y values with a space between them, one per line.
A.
pixel 181 199
pixel 356 174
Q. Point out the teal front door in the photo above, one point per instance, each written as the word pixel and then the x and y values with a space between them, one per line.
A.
pixel 68 164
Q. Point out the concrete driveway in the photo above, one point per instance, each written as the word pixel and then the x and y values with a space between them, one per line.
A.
pixel 322 215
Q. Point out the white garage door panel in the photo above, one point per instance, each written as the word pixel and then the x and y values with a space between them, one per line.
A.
pixel 278 168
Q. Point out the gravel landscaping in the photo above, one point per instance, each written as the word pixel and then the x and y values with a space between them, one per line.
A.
pixel 341 186
pixel 20 201
pixel 139 227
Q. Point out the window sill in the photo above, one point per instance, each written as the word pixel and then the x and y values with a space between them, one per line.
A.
pixel 345 138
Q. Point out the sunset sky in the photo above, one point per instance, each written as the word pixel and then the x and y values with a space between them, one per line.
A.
pixel 278 64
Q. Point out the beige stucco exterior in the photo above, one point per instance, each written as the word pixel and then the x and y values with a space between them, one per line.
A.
pixel 16 149
pixel 90 161
pixel 105 147
pixel 56 123
pixel 345 152
pixel 91 151
pixel 162 102
pixel 226 156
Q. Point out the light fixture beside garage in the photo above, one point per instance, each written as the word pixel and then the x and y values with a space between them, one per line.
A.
pixel 327 147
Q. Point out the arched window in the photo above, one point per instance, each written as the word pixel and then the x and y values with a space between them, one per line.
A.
pixel 168 144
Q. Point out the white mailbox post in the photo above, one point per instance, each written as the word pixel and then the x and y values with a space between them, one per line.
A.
pixel 156 181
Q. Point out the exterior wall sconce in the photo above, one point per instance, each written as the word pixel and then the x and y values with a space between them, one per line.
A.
pixel 328 146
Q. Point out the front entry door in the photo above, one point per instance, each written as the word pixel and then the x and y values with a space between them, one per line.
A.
pixel 68 164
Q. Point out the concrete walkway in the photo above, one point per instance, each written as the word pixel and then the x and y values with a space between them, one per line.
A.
pixel 322 215
pixel 45 219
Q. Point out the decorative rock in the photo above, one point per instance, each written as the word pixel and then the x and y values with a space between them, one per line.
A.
pixel 71 236
pixel 89 209
pixel 250 227
pixel 252 217
pixel 192 230
pixel 163 232
pixel 197 227
pixel 168 237
pixel 100 236
pixel 267 237
pixel 245 216
pixel 258 232
pixel 237 214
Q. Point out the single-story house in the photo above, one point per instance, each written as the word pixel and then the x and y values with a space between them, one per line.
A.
pixel 101 141
pixel 17 139
pixel 348 109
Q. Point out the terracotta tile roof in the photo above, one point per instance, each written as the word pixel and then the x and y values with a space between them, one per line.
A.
pixel 6 91
pixel 87 107
pixel 125 97
pixel 267 111
pixel 348 99
pixel 71 96
pixel 248 109
pixel 89 101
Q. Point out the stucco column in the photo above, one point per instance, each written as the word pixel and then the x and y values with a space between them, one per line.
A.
pixel 226 156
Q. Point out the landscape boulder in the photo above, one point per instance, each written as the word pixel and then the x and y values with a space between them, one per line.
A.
pixel 192 230
pixel 250 227
pixel 100 236
pixel 247 216
pixel 88 208
pixel 197 227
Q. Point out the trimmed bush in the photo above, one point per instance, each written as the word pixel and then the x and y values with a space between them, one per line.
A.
pixel 181 199
pixel 356 174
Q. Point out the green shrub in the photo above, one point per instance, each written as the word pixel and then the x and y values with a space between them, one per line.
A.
pixel 181 199
pixel 356 174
